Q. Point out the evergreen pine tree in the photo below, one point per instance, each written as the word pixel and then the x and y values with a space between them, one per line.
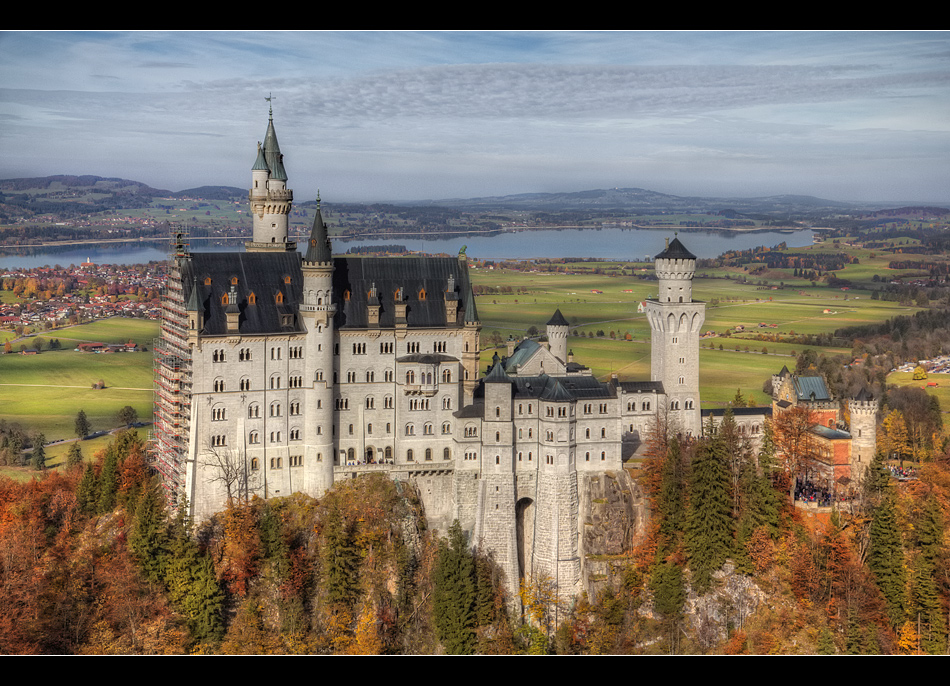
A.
pixel 453 594
pixel 671 500
pixel 38 459
pixel 74 457
pixel 192 586
pixel 149 540
pixel 82 425
pixel 109 480
pixel 87 491
pixel 886 559
pixel 340 560
pixel 709 533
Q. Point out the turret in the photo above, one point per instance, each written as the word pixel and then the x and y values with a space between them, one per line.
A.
pixel 676 321
pixel 270 199
pixel 863 411
pixel 557 329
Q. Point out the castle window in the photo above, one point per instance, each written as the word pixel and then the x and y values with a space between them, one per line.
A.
pixel 255 464
pixel 587 457
pixel 446 428
pixel 218 441
pixel 351 429
pixel 586 433
pixel 447 454
pixel 369 429
pixel 218 356
pixel 388 453
pixel 219 385
pixel 603 457
pixel 446 376
pixel 318 376
pixel 497 411
pixel 275 382
pixel 497 437
pixel 295 434
pixel 427 430
pixel 275 436
pixel 409 455
pixel 245 384
pixel 296 460
pixel 688 405
pixel 254 438
pixel 388 375
pixel 410 430
pixel 428 454
pixel 410 377
pixel 388 402
pixel 275 463
pixel 275 410
pixel 446 403
pixel 370 402
pixel 646 406
pixel 253 411
pixel 370 377
pixel 295 408
pixel 219 414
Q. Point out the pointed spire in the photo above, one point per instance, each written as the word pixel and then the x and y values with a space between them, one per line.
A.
pixel 318 249
pixel 275 161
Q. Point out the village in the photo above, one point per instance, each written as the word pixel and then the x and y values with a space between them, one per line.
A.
pixel 46 298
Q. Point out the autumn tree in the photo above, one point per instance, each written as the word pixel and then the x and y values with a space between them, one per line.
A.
pixel 794 442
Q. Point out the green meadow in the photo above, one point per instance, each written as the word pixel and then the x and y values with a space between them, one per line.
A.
pixel 45 392
pixel 751 325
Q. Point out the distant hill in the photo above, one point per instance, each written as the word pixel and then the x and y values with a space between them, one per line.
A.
pixel 213 193
pixel 639 199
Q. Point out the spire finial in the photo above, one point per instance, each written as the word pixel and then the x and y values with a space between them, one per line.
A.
pixel 270 108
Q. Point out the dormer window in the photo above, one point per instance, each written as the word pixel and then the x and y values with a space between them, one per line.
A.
pixel 251 299
pixel 279 298
pixel 207 281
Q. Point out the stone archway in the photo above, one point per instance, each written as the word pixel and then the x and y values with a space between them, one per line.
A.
pixel 524 515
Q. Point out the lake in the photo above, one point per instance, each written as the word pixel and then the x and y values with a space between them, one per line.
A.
pixel 610 243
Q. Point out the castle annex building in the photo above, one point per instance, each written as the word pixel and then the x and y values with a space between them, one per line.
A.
pixel 282 370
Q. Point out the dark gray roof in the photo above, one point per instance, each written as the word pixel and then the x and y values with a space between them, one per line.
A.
pixel 739 411
pixel 318 248
pixel 676 251
pixel 423 281
pixel 270 276
pixel 641 386
pixel 558 319
pixel 552 388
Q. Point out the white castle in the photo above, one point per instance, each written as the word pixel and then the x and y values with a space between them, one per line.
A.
pixel 280 372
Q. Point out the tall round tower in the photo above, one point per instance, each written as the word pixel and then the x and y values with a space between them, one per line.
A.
pixel 676 322
pixel 557 329
pixel 317 312
pixel 863 411
pixel 269 196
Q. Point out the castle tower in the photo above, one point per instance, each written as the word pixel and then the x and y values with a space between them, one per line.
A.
pixel 863 410
pixel 676 321
pixel 270 199
pixel 317 312
pixel 557 329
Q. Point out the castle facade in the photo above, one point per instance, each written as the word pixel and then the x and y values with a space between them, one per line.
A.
pixel 282 370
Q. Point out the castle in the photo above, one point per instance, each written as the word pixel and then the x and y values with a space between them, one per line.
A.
pixel 280 371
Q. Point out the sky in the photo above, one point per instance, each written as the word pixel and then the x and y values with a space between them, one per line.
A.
pixel 404 116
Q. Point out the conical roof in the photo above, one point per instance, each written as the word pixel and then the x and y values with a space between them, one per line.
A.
pixel 275 160
pixel 318 249
pixel 676 251
pixel 558 319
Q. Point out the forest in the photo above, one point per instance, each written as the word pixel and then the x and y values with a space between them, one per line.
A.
pixel 91 563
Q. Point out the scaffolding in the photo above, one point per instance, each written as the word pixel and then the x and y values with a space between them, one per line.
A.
pixel 172 385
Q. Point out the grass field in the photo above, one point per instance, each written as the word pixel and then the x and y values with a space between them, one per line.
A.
pixel 796 309
pixel 45 392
